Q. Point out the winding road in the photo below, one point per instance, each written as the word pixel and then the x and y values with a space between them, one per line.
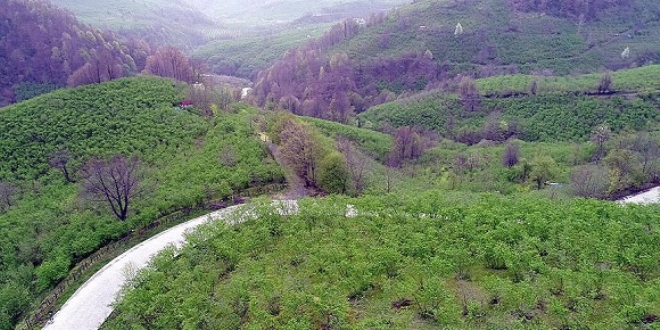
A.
pixel 93 302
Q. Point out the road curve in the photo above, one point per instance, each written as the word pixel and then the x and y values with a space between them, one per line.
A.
pixel 92 303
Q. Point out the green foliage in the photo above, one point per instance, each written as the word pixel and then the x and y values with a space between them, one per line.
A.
pixel 544 169
pixel 631 80
pixel 532 263
pixel 245 57
pixel 127 116
pixel 334 176
pixel 28 90
pixel 375 143
pixel 498 39
pixel 49 227
pixel 552 114
pixel 162 22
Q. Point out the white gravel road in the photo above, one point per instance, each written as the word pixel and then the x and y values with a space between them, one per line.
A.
pixel 646 197
pixel 91 304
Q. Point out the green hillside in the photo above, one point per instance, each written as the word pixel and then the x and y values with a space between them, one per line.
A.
pixel 428 44
pixel 423 261
pixel 478 158
pixel 246 56
pixel 497 38
pixel 561 109
pixel 47 223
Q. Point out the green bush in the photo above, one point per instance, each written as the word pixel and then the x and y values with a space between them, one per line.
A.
pixel 51 225
pixel 403 261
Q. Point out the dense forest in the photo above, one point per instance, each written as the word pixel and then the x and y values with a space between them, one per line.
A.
pixel 43 46
pixel 589 9
pixel 160 22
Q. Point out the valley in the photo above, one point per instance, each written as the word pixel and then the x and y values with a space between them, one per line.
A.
pixel 458 164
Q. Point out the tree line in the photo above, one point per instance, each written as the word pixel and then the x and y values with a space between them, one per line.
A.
pixel 43 47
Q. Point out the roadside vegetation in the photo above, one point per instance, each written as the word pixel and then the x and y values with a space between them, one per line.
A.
pixel 53 145
pixel 424 261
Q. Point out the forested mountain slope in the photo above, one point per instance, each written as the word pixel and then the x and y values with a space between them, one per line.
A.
pixel 356 65
pixel 50 215
pixel 42 48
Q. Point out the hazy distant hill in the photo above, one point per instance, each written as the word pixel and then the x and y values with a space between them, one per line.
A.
pixel 262 31
pixel 42 47
pixel 253 13
pixel 157 21
pixel 357 65
pixel 188 23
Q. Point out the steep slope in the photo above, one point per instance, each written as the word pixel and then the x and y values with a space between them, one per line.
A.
pixel 42 47
pixel 245 56
pixel 421 44
pixel 264 31
pixel 47 222
pixel 495 33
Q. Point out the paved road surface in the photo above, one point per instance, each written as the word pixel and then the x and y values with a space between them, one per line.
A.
pixel 91 304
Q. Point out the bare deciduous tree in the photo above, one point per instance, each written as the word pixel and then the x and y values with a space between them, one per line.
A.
pixel 355 163
pixel 8 193
pixel 605 82
pixel 511 155
pixel 300 149
pixel 467 163
pixel 589 181
pixel 469 94
pixel 599 136
pixel 407 146
pixel 170 62
pixel 114 181
pixel 60 160
pixel 648 153
pixel 533 87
